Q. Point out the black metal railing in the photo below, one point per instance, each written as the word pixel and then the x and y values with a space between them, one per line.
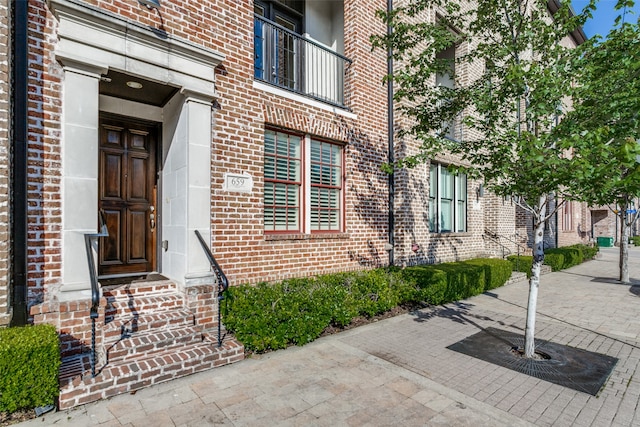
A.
pixel 223 282
pixel 95 286
pixel 495 237
pixel 286 59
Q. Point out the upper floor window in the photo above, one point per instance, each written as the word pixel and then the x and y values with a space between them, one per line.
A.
pixel 447 200
pixel 446 80
pixel 298 45
pixel 303 182
pixel 567 216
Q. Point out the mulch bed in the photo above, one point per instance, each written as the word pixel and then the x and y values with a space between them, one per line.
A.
pixel 360 321
pixel 16 417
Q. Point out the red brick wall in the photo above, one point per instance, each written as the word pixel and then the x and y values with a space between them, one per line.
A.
pixel 578 230
pixel 240 244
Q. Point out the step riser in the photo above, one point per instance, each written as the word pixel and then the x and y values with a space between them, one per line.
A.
pixel 140 289
pixel 142 305
pixel 125 349
pixel 125 327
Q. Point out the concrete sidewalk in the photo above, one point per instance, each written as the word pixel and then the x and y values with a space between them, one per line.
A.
pixel 399 372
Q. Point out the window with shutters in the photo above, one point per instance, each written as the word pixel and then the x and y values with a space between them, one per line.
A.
pixel 303 184
pixel 282 181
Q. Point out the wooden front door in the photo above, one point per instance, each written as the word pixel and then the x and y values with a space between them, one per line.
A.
pixel 127 196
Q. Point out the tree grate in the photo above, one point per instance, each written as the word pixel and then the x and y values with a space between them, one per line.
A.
pixel 570 367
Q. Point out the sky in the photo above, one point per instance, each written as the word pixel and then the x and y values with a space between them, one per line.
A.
pixel 604 16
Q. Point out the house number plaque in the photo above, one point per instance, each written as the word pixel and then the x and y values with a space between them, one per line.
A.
pixel 239 183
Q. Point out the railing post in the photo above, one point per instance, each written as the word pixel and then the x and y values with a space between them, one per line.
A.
pixel 223 282
pixel 95 286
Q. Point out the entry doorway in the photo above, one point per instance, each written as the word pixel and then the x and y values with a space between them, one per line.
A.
pixel 127 193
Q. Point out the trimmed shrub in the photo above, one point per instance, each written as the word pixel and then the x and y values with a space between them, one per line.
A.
pixel 431 283
pixel 572 255
pixel 29 363
pixel 521 263
pixel 463 280
pixel 372 292
pixel 555 261
pixel 635 240
pixel 296 311
pixel 588 252
pixel 496 271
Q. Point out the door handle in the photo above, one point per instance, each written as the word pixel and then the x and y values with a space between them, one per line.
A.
pixel 152 218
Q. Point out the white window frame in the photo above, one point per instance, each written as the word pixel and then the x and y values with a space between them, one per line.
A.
pixel 305 187
pixel 459 182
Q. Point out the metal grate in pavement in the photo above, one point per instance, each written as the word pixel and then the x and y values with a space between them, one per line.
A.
pixel 570 367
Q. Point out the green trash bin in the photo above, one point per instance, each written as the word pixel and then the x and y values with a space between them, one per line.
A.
pixel 605 242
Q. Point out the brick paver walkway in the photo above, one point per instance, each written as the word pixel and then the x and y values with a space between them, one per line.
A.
pixel 399 372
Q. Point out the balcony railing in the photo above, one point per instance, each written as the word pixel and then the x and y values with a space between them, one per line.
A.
pixel 289 61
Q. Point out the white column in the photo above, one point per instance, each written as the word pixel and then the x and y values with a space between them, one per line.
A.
pixel 187 193
pixel 79 198
pixel 198 188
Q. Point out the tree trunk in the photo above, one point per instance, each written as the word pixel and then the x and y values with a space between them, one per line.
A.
pixel 534 281
pixel 624 247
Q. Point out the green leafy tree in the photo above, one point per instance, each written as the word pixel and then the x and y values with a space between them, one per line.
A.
pixel 503 118
pixel 605 117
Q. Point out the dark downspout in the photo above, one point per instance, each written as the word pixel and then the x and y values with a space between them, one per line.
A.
pixel 556 224
pixel 18 197
pixel 390 132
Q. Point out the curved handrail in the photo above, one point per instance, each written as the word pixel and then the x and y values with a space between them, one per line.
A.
pixel 95 286
pixel 223 282
pixel 496 238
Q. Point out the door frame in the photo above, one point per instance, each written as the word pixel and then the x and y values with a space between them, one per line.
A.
pixel 156 158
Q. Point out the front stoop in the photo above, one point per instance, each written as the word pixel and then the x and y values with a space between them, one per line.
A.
pixel 151 334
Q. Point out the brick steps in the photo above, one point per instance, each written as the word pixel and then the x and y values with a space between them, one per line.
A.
pixel 139 297
pixel 128 325
pixel 134 305
pixel 149 336
pixel 77 387
pixel 152 342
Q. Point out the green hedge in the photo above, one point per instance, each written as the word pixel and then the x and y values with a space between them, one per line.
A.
pixel 521 263
pixel 497 271
pixel 556 258
pixel 635 240
pixel 296 311
pixel 588 252
pixel 572 255
pixel 555 261
pixel 29 363
pixel 429 282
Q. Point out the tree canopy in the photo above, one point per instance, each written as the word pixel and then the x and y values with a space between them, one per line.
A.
pixel 488 81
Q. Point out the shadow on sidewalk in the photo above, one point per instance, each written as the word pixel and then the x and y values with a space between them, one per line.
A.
pixel 458 312
pixel 611 280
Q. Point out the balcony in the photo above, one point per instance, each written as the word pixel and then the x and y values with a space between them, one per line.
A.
pixel 289 61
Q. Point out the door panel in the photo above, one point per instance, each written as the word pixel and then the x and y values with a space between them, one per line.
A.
pixel 127 183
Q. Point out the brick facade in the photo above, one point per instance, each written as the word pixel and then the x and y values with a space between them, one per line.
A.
pixel 4 160
pixel 241 112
